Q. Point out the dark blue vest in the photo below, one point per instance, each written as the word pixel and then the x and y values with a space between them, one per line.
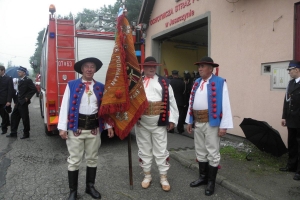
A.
pixel 164 117
pixel 77 89
pixel 214 99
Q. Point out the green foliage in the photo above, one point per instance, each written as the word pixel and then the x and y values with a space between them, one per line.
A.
pixel 35 60
pixel 133 8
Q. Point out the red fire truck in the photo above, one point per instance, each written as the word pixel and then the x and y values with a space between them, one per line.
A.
pixel 63 45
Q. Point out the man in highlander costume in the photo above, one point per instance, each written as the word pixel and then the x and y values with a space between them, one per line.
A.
pixel 209 109
pixel 151 130
pixel 80 125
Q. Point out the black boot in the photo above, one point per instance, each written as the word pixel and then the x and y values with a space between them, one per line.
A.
pixel 73 184
pixel 203 173
pixel 212 175
pixel 90 181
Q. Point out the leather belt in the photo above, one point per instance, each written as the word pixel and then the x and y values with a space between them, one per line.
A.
pixel 87 122
pixel 155 108
pixel 201 116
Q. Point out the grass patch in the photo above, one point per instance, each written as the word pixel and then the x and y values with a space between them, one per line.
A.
pixel 261 162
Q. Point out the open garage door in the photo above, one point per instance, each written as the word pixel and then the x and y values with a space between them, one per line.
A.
pixel 183 46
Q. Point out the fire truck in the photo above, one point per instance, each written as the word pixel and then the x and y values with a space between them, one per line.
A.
pixel 64 43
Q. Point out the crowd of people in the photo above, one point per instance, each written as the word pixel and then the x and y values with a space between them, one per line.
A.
pixel 201 102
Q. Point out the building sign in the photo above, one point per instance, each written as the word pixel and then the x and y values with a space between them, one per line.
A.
pixel 168 14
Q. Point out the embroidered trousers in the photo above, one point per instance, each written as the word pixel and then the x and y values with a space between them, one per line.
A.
pixel 85 144
pixel 152 142
pixel 207 143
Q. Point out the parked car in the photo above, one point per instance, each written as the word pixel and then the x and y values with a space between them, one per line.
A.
pixel 38 84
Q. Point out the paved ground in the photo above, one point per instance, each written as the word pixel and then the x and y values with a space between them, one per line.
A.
pixel 239 176
pixel 36 168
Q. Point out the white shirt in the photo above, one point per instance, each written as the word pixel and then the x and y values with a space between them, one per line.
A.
pixel 154 93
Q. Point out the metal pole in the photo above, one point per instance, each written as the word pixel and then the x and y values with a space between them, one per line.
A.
pixel 137 45
pixel 130 161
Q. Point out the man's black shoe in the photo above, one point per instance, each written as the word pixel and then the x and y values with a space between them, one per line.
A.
pixel 12 135
pixel 287 169
pixel 24 137
pixel 297 177
pixel 171 131
pixel 3 133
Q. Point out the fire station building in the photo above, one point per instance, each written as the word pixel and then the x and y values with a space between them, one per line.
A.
pixel 252 41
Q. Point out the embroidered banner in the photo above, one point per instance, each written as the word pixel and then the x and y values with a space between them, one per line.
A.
pixel 124 99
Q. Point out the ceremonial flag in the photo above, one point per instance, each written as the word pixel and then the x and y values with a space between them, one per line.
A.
pixel 124 99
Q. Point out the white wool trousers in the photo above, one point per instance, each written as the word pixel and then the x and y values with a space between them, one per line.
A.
pixel 207 143
pixel 85 144
pixel 152 142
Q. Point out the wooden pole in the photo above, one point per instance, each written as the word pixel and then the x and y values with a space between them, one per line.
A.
pixel 130 161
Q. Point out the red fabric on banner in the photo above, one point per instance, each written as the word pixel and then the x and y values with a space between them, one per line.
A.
pixel 124 99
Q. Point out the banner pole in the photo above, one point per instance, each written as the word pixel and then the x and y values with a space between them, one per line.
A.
pixel 130 161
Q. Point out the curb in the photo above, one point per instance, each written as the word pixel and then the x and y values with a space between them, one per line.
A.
pixel 238 190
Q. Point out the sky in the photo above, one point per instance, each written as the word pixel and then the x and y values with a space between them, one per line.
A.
pixel 22 20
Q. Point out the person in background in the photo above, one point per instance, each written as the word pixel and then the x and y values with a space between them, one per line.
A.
pixel 291 119
pixel 26 89
pixel 151 130
pixel 188 88
pixel 15 82
pixel 209 109
pixel 80 125
pixel 178 87
pixel 6 93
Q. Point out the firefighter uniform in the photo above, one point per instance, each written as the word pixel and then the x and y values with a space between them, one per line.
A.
pixel 291 115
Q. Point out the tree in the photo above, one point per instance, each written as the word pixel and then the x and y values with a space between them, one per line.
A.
pixel 35 60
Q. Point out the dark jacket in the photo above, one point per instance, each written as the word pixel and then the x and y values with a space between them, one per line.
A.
pixel 291 105
pixel 26 89
pixel 178 87
pixel 6 89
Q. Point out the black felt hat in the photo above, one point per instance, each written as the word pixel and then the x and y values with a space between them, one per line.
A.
pixel 150 61
pixel 96 61
pixel 175 72
pixel 207 60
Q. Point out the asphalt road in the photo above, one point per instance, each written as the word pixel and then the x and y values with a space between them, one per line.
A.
pixel 36 168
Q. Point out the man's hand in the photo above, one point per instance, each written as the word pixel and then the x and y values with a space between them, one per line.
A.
pixel 7 104
pixel 189 128
pixel 283 122
pixel 222 132
pixel 110 132
pixel 63 134
pixel 171 126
